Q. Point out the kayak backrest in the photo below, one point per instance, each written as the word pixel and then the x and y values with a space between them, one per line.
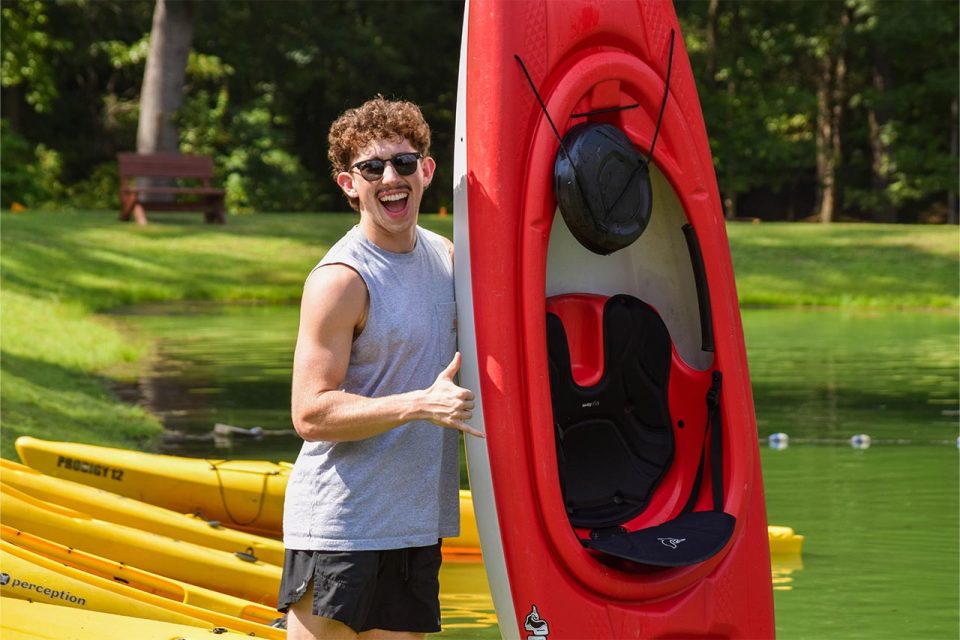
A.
pixel 613 430
pixel 611 361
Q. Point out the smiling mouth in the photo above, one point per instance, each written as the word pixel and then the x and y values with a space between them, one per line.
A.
pixel 394 202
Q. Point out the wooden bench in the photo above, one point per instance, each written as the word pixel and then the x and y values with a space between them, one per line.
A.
pixel 136 198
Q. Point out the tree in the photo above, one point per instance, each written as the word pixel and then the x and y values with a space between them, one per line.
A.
pixel 831 81
pixel 907 53
pixel 755 95
pixel 324 57
pixel 162 92
pixel 885 73
pixel 64 99
pixel 25 70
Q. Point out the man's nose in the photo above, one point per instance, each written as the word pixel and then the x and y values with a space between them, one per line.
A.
pixel 390 174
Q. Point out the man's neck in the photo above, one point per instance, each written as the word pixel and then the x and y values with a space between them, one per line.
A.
pixel 401 242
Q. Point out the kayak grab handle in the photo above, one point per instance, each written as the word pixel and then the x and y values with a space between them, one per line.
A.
pixel 246 556
pixel 703 293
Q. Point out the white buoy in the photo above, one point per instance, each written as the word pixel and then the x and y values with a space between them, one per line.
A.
pixel 860 441
pixel 778 441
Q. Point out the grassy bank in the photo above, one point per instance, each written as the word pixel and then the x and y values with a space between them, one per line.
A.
pixel 60 271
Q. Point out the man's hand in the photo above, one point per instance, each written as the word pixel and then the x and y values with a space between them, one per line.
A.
pixel 448 404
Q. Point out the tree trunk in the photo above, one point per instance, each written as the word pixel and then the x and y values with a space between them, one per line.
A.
pixel 878 116
pixel 730 203
pixel 826 161
pixel 838 111
pixel 12 106
pixel 952 213
pixel 831 101
pixel 710 83
pixel 162 91
pixel 710 68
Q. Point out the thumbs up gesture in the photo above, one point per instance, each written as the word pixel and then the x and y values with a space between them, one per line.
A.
pixel 448 404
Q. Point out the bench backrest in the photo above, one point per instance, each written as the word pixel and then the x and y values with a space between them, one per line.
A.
pixel 164 165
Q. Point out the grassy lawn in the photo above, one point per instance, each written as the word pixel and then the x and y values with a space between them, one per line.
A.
pixel 842 265
pixel 61 270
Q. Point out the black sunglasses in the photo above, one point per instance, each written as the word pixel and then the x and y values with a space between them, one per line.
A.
pixel 403 163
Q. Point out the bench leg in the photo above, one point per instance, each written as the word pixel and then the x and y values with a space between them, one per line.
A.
pixel 215 214
pixel 139 215
pixel 131 209
pixel 126 207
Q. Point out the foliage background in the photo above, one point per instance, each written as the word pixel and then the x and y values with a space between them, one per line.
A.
pixel 266 78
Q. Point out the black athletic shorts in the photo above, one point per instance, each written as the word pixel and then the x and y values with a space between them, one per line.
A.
pixel 394 590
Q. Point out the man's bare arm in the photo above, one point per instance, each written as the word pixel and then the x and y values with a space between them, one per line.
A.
pixel 333 307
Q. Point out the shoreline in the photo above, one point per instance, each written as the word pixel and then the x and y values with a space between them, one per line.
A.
pixel 68 275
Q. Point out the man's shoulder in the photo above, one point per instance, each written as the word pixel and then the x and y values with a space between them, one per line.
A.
pixel 335 276
pixel 433 236
pixel 438 242
pixel 346 243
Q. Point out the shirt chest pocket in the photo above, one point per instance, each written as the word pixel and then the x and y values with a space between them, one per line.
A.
pixel 445 315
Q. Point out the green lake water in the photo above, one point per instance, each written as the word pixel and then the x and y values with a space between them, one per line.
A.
pixel 881 555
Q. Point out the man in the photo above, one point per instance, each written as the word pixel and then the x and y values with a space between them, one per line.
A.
pixel 374 488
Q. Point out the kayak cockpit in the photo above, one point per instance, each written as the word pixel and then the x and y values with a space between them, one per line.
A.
pixel 615 432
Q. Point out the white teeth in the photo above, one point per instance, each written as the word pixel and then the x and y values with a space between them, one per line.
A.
pixel 393 197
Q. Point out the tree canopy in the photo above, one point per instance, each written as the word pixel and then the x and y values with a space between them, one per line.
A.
pixel 823 110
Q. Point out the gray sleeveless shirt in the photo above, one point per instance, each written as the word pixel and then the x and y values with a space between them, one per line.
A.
pixel 400 488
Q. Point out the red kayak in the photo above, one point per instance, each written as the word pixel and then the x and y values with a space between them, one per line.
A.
pixel 618 492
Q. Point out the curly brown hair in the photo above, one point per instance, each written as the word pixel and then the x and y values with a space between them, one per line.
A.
pixel 375 119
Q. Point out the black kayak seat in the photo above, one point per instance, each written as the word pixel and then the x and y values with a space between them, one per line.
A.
pixel 615 436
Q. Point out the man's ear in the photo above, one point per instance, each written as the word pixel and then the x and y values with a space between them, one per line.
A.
pixel 429 166
pixel 345 182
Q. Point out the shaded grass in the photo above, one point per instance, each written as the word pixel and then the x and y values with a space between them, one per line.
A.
pixel 92 260
pixel 59 359
pixel 52 382
pixel 61 270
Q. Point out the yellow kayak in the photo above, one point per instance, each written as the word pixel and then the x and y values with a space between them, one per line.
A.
pixel 784 541
pixel 24 620
pixel 112 507
pixel 241 494
pixel 245 494
pixel 131 584
pixel 210 568
pixel 41 579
